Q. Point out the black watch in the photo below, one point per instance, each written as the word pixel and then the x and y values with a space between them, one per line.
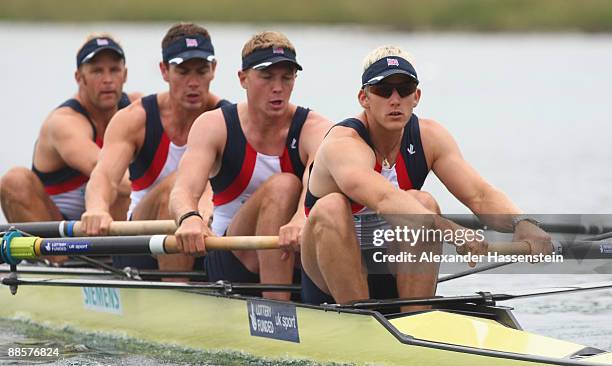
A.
pixel 188 215
pixel 518 218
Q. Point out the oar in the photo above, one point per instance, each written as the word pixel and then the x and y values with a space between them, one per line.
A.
pixel 14 248
pixel 480 298
pixel 472 222
pixel 221 285
pixel 60 229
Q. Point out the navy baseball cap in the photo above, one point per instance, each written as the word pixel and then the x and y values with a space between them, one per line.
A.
pixel 94 46
pixel 387 66
pixel 188 47
pixel 264 57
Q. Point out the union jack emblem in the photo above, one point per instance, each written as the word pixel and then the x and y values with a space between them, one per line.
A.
pixel 102 42
pixel 190 42
pixel 278 50
pixel 392 62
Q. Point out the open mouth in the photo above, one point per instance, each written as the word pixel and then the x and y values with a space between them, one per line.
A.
pixel 193 96
pixel 396 114
pixel 276 103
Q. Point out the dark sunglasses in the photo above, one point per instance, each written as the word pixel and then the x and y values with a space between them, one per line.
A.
pixel 385 90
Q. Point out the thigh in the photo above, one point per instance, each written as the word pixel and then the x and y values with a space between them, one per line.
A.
pixel 155 200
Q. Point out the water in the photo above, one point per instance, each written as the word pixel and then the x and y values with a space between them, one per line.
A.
pixel 530 112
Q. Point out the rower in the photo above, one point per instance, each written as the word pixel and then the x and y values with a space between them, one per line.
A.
pixel 368 174
pixel 149 138
pixel 69 141
pixel 255 153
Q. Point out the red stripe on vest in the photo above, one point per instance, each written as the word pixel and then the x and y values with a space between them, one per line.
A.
pixel 403 179
pixel 285 162
pixel 242 180
pixel 159 160
pixel 67 186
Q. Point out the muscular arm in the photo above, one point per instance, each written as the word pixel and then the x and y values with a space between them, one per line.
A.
pixel 463 181
pixel 71 137
pixel 123 138
pixel 349 162
pixel 311 137
pixel 203 145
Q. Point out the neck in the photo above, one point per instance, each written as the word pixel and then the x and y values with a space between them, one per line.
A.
pixel 182 119
pixel 386 142
pixel 264 124
pixel 100 117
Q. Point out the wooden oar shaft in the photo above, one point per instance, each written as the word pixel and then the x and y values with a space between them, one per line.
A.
pixel 124 228
pixel 229 243
pixel 510 248
pixel 58 229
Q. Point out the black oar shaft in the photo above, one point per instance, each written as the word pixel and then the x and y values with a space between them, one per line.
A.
pixel 472 222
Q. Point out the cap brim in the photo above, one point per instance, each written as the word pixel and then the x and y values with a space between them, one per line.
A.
pixel 191 54
pixel 275 60
pixel 383 75
pixel 93 53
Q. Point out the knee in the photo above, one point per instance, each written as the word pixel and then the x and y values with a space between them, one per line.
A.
pixel 284 185
pixel 427 200
pixel 328 212
pixel 166 185
pixel 17 184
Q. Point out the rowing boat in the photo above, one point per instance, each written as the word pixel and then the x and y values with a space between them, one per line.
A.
pixel 463 330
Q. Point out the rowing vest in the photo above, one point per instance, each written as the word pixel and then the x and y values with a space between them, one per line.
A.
pixel 243 169
pixel 158 157
pixel 66 186
pixel 409 171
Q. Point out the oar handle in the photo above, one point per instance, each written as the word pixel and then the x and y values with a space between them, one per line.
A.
pixel 127 228
pixel 510 248
pixel 229 243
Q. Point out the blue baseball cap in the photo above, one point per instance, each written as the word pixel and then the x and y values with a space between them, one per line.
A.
pixel 264 57
pixel 94 46
pixel 187 48
pixel 385 67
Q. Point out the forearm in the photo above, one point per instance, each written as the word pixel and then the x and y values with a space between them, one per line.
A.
pixel 183 201
pixel 205 204
pixel 494 209
pixel 100 192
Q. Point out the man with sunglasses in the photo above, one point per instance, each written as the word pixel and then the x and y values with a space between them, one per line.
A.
pixel 69 142
pixel 255 154
pixel 149 139
pixel 367 175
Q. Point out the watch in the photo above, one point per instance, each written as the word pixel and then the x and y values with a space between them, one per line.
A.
pixel 518 218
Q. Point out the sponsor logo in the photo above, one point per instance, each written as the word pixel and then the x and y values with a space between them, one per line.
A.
pixel 102 42
pixel 293 143
pixel 273 320
pixel 411 150
pixel 278 50
pixel 106 300
pixel 190 42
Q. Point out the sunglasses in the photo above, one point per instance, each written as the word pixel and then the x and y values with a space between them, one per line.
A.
pixel 385 90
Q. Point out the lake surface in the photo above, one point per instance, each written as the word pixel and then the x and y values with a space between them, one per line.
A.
pixel 530 112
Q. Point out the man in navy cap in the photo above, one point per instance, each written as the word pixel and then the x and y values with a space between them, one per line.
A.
pixel 69 141
pixel 367 175
pixel 150 138
pixel 255 153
